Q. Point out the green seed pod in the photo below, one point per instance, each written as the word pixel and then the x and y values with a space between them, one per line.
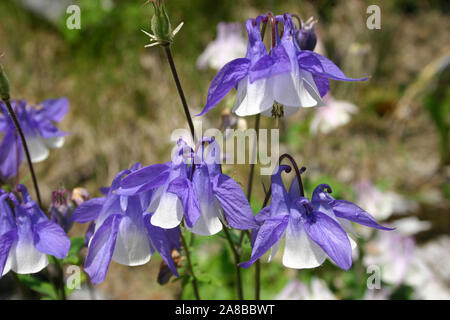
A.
pixel 4 85
pixel 161 27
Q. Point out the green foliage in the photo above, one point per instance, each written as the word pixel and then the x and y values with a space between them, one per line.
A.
pixel 43 287
pixel 73 257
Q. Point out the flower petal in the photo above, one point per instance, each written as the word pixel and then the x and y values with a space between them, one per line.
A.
pixel 6 241
pixel 235 205
pixel 38 150
pixel 50 238
pixel 270 232
pixel 253 98
pixel 101 249
pixel 350 211
pixel 167 208
pixel 183 188
pixel 330 236
pixel 227 78
pixel 88 211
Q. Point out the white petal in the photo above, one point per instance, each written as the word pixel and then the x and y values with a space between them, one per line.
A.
pixel 310 86
pixel 209 222
pixel 253 98
pixel 169 211
pixel 38 151
pixel 274 249
pixel 25 258
pixel 56 142
pixel 7 266
pixel 132 246
pixel 300 251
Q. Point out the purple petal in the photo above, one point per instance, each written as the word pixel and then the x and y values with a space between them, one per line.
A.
pixel 144 179
pixel 50 238
pixel 235 205
pixel 227 78
pixel 269 233
pixel 322 84
pixel 101 249
pixel 350 211
pixel 163 241
pixel 10 154
pixel 280 200
pixel 88 211
pixel 331 237
pixel 184 189
pixel 321 66
pixel 55 109
pixel 6 242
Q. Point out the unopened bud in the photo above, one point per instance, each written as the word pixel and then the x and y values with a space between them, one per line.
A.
pixel 4 85
pixel 306 37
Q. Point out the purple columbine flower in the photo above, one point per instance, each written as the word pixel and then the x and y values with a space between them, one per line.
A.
pixel 313 229
pixel 275 83
pixel 200 201
pixel 39 129
pixel 27 236
pixel 123 231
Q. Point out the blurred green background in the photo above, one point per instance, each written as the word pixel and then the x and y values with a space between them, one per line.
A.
pixel 124 106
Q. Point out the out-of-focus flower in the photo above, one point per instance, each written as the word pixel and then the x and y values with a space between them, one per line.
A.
pixel 381 204
pixel 229 45
pixel 123 231
pixel 335 114
pixel 27 236
pixel 199 201
pixel 313 230
pixel 61 209
pixel 38 127
pixel 411 225
pixel 306 37
pixel 79 196
pixel 296 290
pixel 275 83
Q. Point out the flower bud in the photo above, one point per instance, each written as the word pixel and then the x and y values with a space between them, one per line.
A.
pixel 306 37
pixel 162 33
pixel 4 85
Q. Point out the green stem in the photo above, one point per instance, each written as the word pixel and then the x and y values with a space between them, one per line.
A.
pixel 237 258
pixel 191 269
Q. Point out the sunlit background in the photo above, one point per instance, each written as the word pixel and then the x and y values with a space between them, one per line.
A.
pixel 383 143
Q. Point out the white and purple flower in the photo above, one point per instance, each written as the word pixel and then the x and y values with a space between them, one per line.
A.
pixel 287 74
pixel 200 200
pixel 27 236
pixel 123 231
pixel 39 129
pixel 314 230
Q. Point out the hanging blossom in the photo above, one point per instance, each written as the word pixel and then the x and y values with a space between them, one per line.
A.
pixel 123 231
pixel 277 82
pixel 229 45
pixel 335 114
pixel 39 129
pixel 27 236
pixel 314 230
pixel 204 200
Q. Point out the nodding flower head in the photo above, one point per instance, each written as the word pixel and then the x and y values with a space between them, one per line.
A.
pixel 162 32
pixel 305 36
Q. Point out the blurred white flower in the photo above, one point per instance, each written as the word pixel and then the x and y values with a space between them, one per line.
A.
pixel 229 45
pixel 334 114
pixel 411 225
pixel 381 204
pixel 295 290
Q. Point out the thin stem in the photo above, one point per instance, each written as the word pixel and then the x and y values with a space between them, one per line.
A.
pixel 180 90
pixel 258 263
pixel 61 279
pixel 237 258
pixel 191 269
pixel 25 147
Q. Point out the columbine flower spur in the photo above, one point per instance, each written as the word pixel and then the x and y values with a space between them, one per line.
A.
pixel 39 130
pixel 287 77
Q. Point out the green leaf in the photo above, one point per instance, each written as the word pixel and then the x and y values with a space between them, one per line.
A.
pixel 38 285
